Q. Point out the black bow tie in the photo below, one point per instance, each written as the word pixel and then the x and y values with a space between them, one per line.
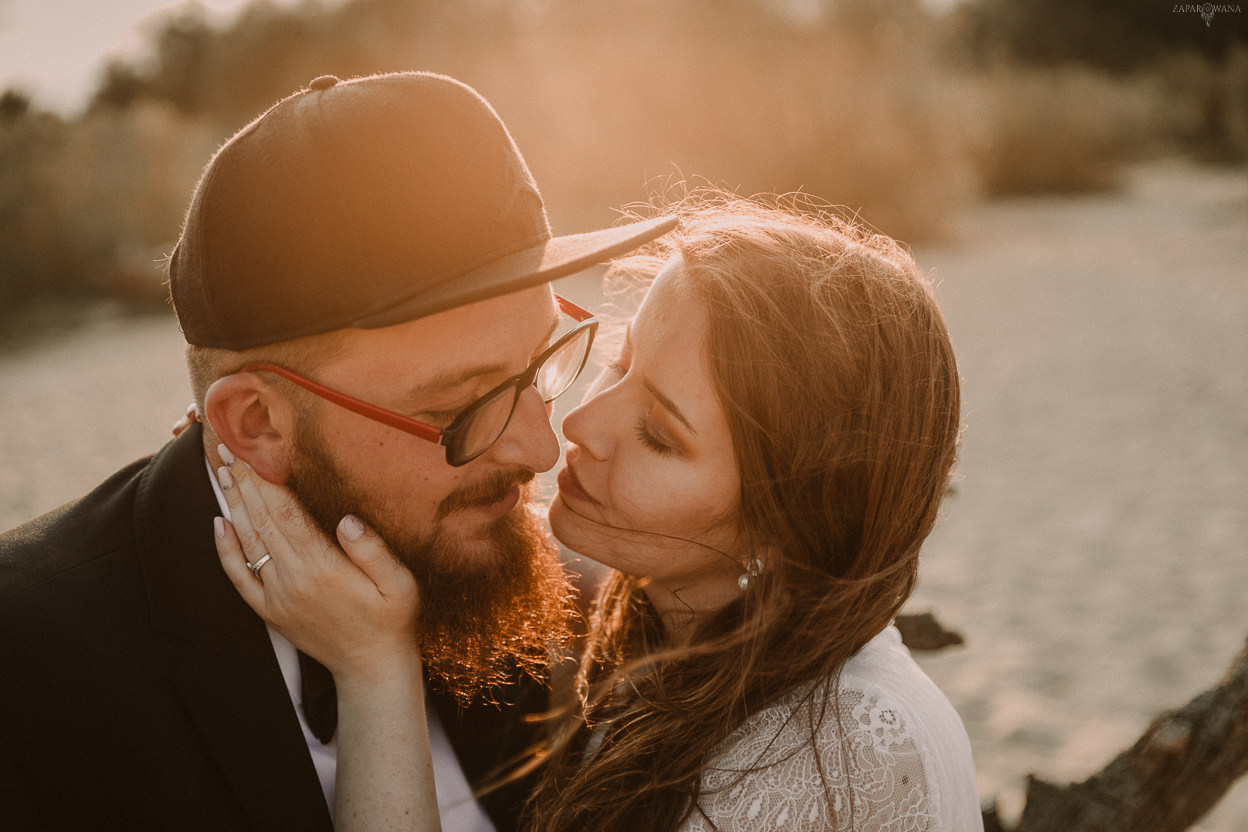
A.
pixel 320 699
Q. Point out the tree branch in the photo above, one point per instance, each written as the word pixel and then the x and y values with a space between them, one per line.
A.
pixel 1173 775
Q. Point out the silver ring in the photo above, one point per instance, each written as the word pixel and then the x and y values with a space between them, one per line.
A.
pixel 258 565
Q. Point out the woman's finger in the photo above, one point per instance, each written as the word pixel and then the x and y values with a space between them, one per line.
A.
pixel 270 536
pixel 234 562
pixel 240 512
pixel 284 517
pixel 190 418
pixel 369 552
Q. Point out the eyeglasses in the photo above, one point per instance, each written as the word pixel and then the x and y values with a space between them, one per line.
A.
pixel 479 425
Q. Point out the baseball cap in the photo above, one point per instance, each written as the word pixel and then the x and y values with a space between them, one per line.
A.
pixel 367 203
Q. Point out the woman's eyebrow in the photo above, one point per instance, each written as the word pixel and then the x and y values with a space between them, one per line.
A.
pixel 669 405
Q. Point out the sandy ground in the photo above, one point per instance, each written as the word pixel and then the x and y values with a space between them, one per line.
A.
pixel 1094 556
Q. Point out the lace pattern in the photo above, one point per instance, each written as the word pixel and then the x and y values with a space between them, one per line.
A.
pixel 813 761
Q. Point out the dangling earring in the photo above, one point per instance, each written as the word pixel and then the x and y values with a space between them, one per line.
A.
pixel 752 570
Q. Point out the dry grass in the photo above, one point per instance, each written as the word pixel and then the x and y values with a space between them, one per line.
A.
pixel 854 113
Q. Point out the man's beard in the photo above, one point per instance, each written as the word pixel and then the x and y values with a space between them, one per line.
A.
pixel 483 617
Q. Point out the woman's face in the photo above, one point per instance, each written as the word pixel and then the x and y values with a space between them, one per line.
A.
pixel 651 485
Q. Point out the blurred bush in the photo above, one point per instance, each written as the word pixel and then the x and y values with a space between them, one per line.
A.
pixel 1206 103
pixel 1101 83
pixel 1117 36
pixel 897 113
pixel 90 206
pixel 1066 129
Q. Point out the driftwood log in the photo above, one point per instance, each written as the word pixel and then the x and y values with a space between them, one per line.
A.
pixel 1175 773
pixel 921 631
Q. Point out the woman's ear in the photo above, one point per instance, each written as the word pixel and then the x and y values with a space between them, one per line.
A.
pixel 254 422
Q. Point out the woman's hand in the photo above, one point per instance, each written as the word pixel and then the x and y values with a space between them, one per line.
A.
pixel 355 610
pixel 352 608
pixel 189 418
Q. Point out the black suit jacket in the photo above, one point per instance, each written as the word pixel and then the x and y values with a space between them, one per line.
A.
pixel 139 692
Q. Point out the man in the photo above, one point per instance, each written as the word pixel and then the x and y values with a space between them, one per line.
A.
pixel 362 280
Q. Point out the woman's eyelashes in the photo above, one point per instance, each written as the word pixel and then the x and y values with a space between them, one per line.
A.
pixel 647 433
pixel 650 439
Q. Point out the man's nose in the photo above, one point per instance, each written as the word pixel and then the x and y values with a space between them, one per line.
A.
pixel 528 441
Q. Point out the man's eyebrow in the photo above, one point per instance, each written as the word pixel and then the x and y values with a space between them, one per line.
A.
pixel 669 405
pixel 450 379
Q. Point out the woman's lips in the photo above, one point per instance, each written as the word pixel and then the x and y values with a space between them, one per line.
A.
pixel 570 486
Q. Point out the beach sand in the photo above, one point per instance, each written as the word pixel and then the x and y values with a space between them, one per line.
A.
pixel 1095 555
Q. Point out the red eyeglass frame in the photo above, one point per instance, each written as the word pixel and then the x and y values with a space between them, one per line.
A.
pixel 415 427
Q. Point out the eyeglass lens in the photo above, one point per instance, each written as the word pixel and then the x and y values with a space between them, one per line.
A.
pixel 491 416
pixel 562 366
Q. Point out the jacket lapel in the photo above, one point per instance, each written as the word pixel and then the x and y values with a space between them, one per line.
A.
pixel 228 676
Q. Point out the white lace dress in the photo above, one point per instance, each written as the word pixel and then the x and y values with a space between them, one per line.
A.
pixel 896 760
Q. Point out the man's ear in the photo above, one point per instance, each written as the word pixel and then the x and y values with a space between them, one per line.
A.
pixel 254 422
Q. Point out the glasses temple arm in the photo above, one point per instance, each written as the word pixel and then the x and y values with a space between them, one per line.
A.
pixel 578 313
pixel 365 409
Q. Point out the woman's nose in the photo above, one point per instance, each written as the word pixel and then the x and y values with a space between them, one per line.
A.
pixel 584 426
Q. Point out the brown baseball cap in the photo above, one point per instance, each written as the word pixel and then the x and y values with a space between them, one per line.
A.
pixel 366 203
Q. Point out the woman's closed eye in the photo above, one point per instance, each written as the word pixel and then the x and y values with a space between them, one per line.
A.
pixel 651 438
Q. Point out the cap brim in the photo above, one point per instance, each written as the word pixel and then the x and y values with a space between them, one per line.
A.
pixel 557 257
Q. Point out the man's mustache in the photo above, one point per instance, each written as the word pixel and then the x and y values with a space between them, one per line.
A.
pixel 484 492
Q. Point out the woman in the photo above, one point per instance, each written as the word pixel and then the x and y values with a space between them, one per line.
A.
pixel 759 467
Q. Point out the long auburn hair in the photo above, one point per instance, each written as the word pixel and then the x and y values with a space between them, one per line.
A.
pixel 833 365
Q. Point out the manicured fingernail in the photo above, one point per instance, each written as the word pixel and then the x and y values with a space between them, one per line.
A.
pixel 226 456
pixel 351 527
pixel 227 481
pixel 218 527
